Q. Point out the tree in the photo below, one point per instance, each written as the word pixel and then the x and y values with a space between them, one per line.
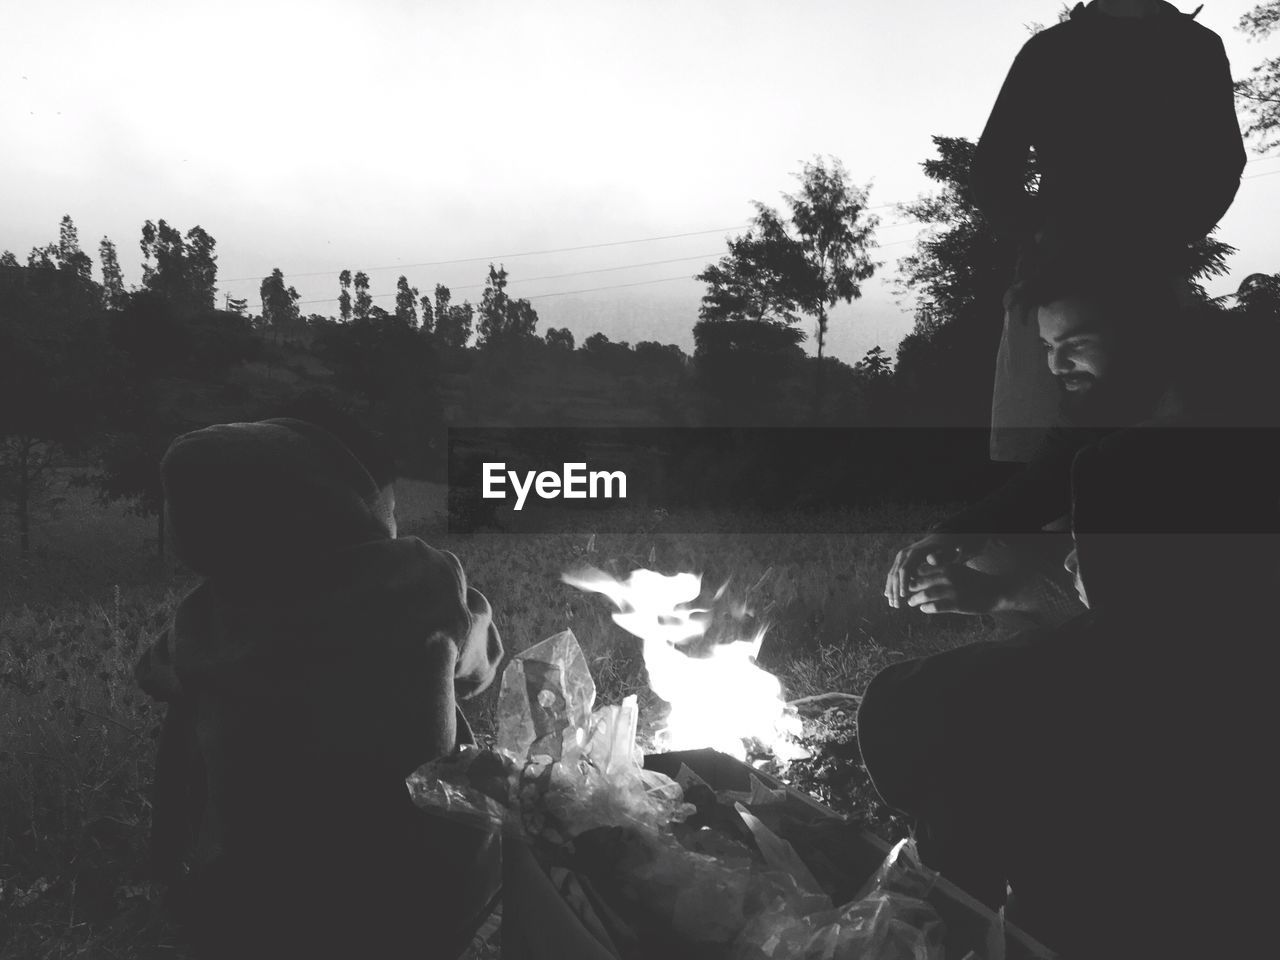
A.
pixel 875 363
pixel 57 371
pixel 182 271
pixel 828 215
pixel 393 369
pixel 113 293
pixel 279 305
pixel 1259 296
pixel 453 321
pixel 758 279
pixel 500 316
pixel 805 264
pixel 958 274
pixel 364 302
pixel 560 338
pixel 406 302
pixel 741 366
pixel 428 316
pixel 1259 93
pixel 443 296
pixel 70 256
pixel 344 296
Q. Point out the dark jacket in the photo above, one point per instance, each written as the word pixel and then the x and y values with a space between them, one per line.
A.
pixel 1103 768
pixel 1134 129
pixel 318 664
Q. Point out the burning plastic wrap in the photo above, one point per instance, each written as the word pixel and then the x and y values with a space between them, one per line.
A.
pixel 659 875
pixel 577 768
pixel 890 920
pixel 469 786
pixel 544 705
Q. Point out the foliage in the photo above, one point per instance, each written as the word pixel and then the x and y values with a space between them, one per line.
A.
pixel 453 322
pixel 182 271
pixel 70 256
pixel 57 372
pixel 500 316
pixel 1259 296
pixel 364 302
pixel 741 365
pixel 828 216
pixel 406 302
pixel 344 295
pixel 758 278
pixel 113 292
pixel 393 369
pixel 805 264
pixel 560 338
pixel 428 315
pixel 1259 93
pixel 280 306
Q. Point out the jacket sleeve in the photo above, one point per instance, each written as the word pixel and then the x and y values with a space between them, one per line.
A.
pixel 480 651
pixel 1214 156
pixel 998 175
pixel 1037 495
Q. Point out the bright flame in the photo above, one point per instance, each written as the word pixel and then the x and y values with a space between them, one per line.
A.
pixel 717 701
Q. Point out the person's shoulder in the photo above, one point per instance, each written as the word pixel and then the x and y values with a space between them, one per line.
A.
pixel 442 564
pixel 1189 27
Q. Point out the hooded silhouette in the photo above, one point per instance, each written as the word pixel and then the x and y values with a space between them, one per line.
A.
pixel 316 666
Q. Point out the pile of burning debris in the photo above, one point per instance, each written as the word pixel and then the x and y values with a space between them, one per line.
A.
pixel 686 852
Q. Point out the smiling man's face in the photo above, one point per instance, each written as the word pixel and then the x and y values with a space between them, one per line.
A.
pixel 1079 345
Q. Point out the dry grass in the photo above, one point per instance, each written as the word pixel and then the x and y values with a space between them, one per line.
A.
pixel 77 739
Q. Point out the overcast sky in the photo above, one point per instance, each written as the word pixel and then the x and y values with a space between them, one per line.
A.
pixel 385 134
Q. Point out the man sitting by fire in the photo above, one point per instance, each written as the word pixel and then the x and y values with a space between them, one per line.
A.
pixel 1123 352
pixel 1081 766
pixel 317 664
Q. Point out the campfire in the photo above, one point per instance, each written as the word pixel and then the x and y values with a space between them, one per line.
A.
pixel 688 851
pixel 718 696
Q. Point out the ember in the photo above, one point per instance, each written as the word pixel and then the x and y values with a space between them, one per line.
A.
pixel 722 700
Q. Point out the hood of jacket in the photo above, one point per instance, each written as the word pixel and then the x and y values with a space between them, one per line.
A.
pixel 247 501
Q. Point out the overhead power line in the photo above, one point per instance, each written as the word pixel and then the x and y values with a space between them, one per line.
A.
pixel 534 253
pixel 621 243
pixel 510 256
pixel 578 273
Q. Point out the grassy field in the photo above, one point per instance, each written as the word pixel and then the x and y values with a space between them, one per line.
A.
pixel 77 739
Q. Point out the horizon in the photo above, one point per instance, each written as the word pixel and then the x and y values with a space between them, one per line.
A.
pixel 498 131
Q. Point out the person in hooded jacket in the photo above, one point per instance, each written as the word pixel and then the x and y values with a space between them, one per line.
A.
pixel 317 664
pixel 1129 107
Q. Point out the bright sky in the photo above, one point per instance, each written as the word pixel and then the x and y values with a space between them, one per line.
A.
pixel 315 135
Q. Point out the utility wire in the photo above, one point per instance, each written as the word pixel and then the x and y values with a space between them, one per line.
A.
pixel 620 243
pixel 538 253
pixel 578 273
pixel 556 276
pixel 510 256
